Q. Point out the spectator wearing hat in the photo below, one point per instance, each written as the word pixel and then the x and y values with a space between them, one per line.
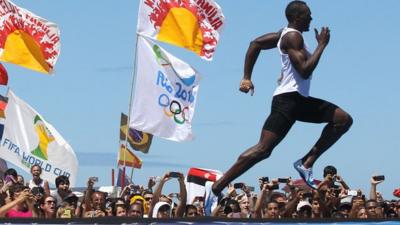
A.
pixel 157 195
pixel 303 209
pixel 68 208
pixel 37 181
pixel 161 210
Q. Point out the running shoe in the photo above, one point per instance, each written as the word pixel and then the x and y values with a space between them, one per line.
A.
pixel 305 173
pixel 210 199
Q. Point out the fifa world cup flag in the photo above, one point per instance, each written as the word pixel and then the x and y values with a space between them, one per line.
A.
pixel 191 24
pixel 165 93
pixel 26 39
pixel 28 139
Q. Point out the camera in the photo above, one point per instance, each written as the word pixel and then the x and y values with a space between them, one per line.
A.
pixel 174 174
pixel 379 177
pixel 264 179
pixel 352 192
pixel 283 180
pixel 238 185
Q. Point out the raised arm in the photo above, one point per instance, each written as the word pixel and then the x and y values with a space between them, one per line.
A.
pixel 293 44
pixel 180 210
pixel 267 41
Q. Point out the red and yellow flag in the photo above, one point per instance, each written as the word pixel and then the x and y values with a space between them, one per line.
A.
pixel 191 24
pixel 127 158
pixel 26 39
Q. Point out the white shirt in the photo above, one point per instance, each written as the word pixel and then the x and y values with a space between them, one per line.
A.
pixel 291 80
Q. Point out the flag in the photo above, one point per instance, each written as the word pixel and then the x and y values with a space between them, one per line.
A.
pixel 127 158
pixel 138 140
pixel 28 139
pixel 196 180
pixel 3 105
pixel 121 174
pixel 26 39
pixel 191 24
pixel 3 167
pixel 165 93
pixel 3 75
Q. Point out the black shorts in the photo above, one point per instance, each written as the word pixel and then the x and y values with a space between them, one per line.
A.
pixel 287 108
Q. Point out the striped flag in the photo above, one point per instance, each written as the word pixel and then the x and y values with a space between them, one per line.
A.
pixel 127 158
pixel 196 180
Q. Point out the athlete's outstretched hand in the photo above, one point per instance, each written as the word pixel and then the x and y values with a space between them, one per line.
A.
pixel 323 37
pixel 246 85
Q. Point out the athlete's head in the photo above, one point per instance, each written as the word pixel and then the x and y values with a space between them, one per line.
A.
pixel 298 13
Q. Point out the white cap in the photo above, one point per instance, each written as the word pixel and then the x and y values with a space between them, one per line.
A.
pixel 302 204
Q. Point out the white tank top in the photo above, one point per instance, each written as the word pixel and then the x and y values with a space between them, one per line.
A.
pixel 291 80
pixel 32 184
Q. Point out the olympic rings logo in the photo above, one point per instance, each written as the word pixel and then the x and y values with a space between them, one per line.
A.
pixel 174 109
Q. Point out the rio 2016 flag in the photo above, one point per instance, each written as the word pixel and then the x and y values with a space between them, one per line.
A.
pixel 191 24
pixel 26 39
pixel 165 93
pixel 28 140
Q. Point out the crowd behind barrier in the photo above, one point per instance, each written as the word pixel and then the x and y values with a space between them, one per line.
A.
pixel 333 199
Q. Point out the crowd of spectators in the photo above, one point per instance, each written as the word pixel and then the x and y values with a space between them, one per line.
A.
pixel 274 199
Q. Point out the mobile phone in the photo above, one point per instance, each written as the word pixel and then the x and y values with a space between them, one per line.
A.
pixel 379 177
pixel 283 180
pixel 174 174
pixel 275 186
pixel 238 185
pixel 264 179
pixel 250 188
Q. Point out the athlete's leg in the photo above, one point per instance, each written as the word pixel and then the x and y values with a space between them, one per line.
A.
pixel 249 158
pixel 336 127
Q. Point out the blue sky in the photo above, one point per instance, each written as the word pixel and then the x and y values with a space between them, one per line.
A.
pixel 92 84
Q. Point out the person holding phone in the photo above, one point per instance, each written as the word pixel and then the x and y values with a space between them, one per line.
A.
pixel 180 210
pixel 375 180
pixel 21 204
pixel 291 102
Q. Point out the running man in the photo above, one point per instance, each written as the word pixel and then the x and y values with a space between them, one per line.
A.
pixel 291 100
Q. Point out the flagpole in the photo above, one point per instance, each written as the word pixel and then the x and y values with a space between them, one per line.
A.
pixel 130 101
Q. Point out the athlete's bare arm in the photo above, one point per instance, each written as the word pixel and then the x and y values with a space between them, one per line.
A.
pixel 293 44
pixel 267 41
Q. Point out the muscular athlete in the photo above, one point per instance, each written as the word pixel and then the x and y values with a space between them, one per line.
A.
pixel 291 101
